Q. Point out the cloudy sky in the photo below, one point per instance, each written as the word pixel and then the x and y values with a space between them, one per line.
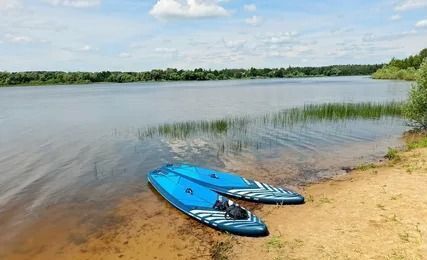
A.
pixel 134 35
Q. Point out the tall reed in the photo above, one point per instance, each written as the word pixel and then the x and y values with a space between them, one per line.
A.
pixel 289 117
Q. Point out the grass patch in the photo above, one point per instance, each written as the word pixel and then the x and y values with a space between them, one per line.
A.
pixel 309 198
pixel 221 250
pixel 420 142
pixel 324 200
pixel 365 167
pixel 392 154
pixel 274 243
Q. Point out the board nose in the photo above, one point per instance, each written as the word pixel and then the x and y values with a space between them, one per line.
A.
pixel 260 230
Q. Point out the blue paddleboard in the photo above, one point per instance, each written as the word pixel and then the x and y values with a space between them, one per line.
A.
pixel 200 203
pixel 235 186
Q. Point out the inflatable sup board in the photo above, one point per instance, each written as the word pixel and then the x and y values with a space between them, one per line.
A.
pixel 200 203
pixel 235 186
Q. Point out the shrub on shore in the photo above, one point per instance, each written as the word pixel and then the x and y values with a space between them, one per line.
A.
pixel 404 69
pixel 392 154
pixel 395 73
pixel 415 109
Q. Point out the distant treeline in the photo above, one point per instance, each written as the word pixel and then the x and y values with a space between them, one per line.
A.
pixel 404 69
pixel 60 77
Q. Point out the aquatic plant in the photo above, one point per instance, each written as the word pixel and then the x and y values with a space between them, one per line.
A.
pixel 239 126
pixel 334 112
pixel 185 129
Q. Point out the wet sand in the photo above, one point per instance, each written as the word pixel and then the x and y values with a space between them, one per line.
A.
pixel 378 213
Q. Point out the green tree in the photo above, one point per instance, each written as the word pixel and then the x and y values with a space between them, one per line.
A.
pixel 60 77
pixel 416 107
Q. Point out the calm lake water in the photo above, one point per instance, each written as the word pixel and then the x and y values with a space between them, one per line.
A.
pixel 82 144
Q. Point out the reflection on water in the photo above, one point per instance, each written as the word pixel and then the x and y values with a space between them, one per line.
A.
pixel 68 153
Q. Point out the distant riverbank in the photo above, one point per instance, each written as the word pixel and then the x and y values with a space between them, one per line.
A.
pixel 404 69
pixel 33 78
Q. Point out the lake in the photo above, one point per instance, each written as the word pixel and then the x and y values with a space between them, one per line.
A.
pixel 69 153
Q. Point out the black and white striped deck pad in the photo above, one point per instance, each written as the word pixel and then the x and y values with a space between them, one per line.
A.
pixel 216 218
pixel 263 191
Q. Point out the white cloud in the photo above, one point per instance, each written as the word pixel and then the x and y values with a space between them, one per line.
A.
pixel 167 9
pixel 370 37
pixel 405 5
pixel 421 24
pixel 13 38
pixel 87 48
pixel 395 17
pixel 340 31
pixel 165 50
pixel 290 52
pixel 250 7
pixel 75 3
pixel 124 55
pixel 281 38
pixel 254 20
pixel 234 44
pixel 9 4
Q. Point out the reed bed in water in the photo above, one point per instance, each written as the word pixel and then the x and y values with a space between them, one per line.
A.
pixel 185 129
pixel 333 112
pixel 288 117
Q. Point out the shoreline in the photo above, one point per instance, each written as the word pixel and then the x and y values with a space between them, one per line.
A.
pixel 373 211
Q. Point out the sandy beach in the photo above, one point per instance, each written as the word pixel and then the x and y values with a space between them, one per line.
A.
pixel 375 212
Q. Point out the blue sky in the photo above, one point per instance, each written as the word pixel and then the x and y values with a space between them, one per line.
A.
pixel 135 35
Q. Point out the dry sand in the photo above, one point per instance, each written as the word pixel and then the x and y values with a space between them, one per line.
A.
pixel 378 213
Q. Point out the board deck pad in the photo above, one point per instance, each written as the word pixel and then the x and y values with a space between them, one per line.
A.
pixel 235 186
pixel 198 202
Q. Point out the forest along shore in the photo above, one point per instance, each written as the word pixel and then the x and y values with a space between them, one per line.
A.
pixel 28 78
pixel 373 212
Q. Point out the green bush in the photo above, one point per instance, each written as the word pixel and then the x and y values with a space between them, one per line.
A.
pixel 416 108
pixel 390 72
pixel 392 154
pixel 404 69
